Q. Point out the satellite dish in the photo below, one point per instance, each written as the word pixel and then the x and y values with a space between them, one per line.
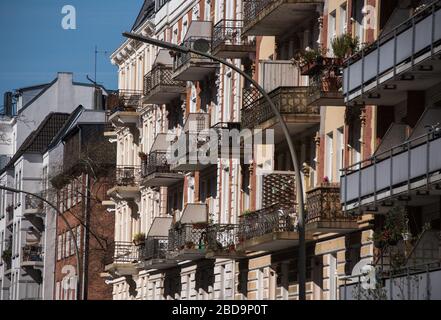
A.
pixel 359 266
pixel 201 45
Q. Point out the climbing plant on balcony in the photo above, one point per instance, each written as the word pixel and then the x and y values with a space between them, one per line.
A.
pixel 395 226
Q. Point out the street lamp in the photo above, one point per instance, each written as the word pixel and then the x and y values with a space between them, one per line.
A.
pixel 299 187
pixel 60 214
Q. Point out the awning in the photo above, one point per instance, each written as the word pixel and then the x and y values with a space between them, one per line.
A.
pixel 194 213
pixel 161 143
pixel 163 58
pixel 160 227
pixel 199 29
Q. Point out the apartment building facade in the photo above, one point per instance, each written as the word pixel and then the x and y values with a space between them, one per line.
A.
pixel 41 111
pixel 227 230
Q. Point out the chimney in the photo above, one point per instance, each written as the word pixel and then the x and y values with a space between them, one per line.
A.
pixel 8 104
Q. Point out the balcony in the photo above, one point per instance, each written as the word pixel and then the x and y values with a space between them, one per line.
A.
pixel 324 213
pixel 404 59
pixel 156 168
pixel 127 181
pixel 187 153
pixel 124 112
pixel 192 67
pixel 223 240
pixel 33 206
pixel 109 129
pixel 228 42
pixel 154 254
pixel 125 259
pixel 268 229
pixel 275 226
pixel 32 256
pixel 291 103
pixel 325 86
pixel 275 17
pixel 187 239
pixel 411 170
pixel 159 85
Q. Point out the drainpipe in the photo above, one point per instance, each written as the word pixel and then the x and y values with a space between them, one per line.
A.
pixel 86 239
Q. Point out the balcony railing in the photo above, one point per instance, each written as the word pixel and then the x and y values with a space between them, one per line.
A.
pixel 228 41
pixel 223 239
pixel 325 89
pixel 273 17
pixel 187 237
pixel 394 53
pixel 128 175
pixel 266 221
pixel 32 253
pixel 324 209
pixel 125 252
pixel 33 204
pixel 156 162
pixel 288 100
pixel 159 85
pixel 155 248
pixel 126 101
pixel 252 8
pixel 413 164
pixel 184 58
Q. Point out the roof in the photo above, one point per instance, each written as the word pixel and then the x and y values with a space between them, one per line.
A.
pixel 146 12
pixel 65 128
pixel 39 139
pixel 160 227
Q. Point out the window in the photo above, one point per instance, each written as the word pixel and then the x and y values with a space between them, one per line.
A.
pixel 59 247
pixel 193 98
pixel 358 18
pixel 340 150
pixel 329 155
pixel 68 243
pixel 332 30
pixel 332 277
pixel 343 22
pixel 227 96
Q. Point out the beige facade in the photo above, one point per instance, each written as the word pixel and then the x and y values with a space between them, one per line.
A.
pixel 227 231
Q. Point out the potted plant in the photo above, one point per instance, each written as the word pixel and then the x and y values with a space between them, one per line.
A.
pixel 7 255
pixel 344 46
pixel 232 247
pixel 142 155
pixel 139 239
pixel 189 245
pixel 200 225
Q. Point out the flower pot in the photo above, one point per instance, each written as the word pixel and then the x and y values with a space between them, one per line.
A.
pixel 138 242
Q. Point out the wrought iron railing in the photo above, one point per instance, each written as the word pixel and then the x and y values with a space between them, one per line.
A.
pixel 223 237
pixel 127 100
pixel 33 203
pixel 252 8
pixel 155 248
pixel 228 32
pixel 187 236
pixel 125 252
pixel 326 83
pixel 10 212
pixel 159 76
pixel 266 221
pixel 32 253
pixel 183 58
pixel 288 100
pixel 156 162
pixel 128 175
pixel 323 204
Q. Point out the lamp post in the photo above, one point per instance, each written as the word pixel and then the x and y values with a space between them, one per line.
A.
pixel 72 234
pixel 299 187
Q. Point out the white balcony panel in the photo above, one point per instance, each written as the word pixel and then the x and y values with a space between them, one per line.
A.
pixel 392 172
pixel 392 52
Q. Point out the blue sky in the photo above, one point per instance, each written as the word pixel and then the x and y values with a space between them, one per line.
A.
pixel 34 46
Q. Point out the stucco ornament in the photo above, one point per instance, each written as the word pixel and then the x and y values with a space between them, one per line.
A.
pixel 368 279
